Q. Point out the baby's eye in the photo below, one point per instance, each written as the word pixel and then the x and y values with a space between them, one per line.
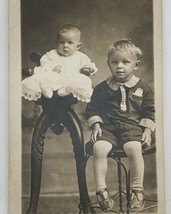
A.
pixel 114 62
pixel 71 43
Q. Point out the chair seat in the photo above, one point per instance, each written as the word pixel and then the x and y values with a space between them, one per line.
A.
pixel 120 153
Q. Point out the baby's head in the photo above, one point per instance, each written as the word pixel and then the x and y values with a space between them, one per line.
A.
pixel 68 40
pixel 123 59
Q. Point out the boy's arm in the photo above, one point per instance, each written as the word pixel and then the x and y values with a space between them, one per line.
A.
pixel 92 112
pixel 148 117
pixel 93 116
pixel 97 131
pixel 148 111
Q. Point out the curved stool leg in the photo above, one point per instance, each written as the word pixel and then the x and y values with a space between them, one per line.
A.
pixel 43 123
pixel 73 125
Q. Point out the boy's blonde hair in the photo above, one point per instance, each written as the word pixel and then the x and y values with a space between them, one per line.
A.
pixel 67 28
pixel 125 45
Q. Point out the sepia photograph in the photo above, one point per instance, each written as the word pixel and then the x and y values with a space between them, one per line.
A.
pixel 86 130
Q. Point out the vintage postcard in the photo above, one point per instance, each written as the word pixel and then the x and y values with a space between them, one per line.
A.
pixel 86 109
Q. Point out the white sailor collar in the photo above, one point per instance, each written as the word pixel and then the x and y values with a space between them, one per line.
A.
pixel 114 85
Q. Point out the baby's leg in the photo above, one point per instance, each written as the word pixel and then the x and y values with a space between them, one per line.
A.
pixel 100 151
pixel 46 90
pixel 136 163
pixel 82 87
pixel 30 88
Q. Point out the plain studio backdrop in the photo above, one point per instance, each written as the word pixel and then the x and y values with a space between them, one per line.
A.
pixel 101 23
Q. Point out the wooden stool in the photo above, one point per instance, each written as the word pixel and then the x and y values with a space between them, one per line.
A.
pixel 58 109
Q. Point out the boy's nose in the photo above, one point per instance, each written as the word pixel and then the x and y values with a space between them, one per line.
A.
pixel 119 64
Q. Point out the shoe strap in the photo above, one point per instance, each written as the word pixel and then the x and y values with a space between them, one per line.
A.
pixel 101 191
pixel 136 192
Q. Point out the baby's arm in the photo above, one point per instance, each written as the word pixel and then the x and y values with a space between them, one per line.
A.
pixel 87 67
pixel 49 62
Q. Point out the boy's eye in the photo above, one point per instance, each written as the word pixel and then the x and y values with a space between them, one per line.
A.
pixel 126 62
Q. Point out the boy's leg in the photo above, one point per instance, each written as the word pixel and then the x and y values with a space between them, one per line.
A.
pixel 100 151
pixel 136 165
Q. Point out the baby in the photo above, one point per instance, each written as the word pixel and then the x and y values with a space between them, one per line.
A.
pixel 64 70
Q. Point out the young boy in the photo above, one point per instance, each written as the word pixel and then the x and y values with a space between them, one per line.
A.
pixel 65 69
pixel 121 114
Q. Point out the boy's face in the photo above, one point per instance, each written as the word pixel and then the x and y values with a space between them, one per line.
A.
pixel 122 64
pixel 68 43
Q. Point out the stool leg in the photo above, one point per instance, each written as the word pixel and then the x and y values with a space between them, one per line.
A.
pixel 74 126
pixel 36 160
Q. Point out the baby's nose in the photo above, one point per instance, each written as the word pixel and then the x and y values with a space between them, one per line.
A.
pixel 66 44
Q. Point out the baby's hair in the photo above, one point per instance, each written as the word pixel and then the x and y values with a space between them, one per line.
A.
pixel 67 28
pixel 126 45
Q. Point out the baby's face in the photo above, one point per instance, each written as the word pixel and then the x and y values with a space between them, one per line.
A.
pixel 122 64
pixel 68 43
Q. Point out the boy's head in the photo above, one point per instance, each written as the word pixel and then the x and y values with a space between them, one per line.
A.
pixel 123 59
pixel 68 40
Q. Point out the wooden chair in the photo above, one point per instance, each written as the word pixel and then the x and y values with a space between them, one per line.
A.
pixel 118 155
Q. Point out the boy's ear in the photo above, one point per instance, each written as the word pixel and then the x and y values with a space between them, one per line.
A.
pixel 137 64
pixel 79 45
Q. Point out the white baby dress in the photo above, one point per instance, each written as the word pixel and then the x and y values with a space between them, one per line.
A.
pixel 58 71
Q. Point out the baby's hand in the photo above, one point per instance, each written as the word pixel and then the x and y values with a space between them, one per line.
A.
pixel 146 137
pixel 97 131
pixel 89 69
pixel 57 69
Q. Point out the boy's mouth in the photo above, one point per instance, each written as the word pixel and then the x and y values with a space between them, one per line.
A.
pixel 120 72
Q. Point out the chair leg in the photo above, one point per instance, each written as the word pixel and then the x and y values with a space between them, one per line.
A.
pixel 74 127
pixel 127 180
pixel 36 160
pixel 120 186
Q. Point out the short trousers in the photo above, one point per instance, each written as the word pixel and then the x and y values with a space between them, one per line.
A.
pixel 120 133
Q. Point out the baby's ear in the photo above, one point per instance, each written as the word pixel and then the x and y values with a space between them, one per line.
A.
pixel 79 45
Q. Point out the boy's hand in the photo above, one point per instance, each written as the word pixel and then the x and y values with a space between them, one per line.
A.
pixel 97 131
pixel 146 137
